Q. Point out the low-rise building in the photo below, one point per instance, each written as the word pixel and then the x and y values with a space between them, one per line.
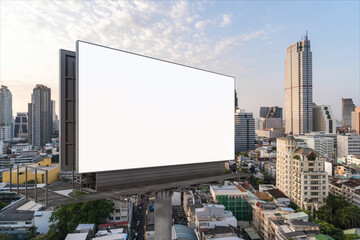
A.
pixel 15 221
pixel 53 173
pixel 234 198
pixel 348 190
pixel 213 215
pixel 353 159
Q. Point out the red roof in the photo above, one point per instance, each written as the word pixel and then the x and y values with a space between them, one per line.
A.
pixel 246 184
pixel 113 225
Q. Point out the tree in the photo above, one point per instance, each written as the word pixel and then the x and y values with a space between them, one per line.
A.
pixel 66 218
pixel 351 236
pixel 2 205
pixel 325 213
pixel 5 237
pixel 293 205
pixel 329 229
pixel 348 217
pixel 31 232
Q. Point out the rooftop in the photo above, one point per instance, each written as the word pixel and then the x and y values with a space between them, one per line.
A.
pixel 11 212
pixel 263 196
pixel 276 193
pixel 229 190
pixel 306 151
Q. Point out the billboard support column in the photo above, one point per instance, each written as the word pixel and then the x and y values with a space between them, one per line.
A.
pixel 163 215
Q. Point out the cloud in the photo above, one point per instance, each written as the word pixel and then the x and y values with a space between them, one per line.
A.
pixel 226 20
pixel 32 32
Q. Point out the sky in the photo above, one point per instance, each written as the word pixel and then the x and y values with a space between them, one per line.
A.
pixel 244 39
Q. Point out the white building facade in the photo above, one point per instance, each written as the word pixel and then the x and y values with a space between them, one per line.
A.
pixel 6 118
pixel 348 144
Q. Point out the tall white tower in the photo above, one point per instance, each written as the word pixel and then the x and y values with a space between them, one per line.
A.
pixel 298 88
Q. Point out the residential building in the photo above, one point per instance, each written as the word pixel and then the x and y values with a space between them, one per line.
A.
pixel 310 180
pixel 323 119
pixel 121 212
pixel 53 173
pixel 212 215
pixel 234 198
pixel 347 108
pixel 348 144
pixel 20 147
pixel 348 190
pixel 21 125
pixel 285 149
pixel 244 132
pixel 298 88
pixel 274 222
pixel 40 116
pixel 335 188
pixel 356 199
pixel 352 159
pixel 300 174
pixel 6 118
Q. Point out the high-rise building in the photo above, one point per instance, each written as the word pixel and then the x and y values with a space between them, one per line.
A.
pixel 357 120
pixel 298 88
pixel 55 119
pixel 353 122
pixel 6 118
pixel 236 101
pixel 300 174
pixel 348 144
pixel 270 112
pixel 347 108
pixel 40 116
pixel 244 132
pixel 21 124
pixel 323 119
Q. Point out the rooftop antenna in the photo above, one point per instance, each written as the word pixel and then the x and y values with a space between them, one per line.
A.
pixel 306 37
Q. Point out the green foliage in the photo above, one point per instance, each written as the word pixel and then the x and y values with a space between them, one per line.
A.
pixel 49 151
pixel 2 205
pixel 49 236
pixel 32 181
pixel 351 236
pixel 293 205
pixel 339 212
pixel 297 157
pixel 31 232
pixel 329 229
pixel 274 148
pixel 227 171
pixel 66 218
pixel 245 170
pixel 5 237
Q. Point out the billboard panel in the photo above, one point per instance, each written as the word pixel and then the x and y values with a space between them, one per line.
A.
pixel 139 112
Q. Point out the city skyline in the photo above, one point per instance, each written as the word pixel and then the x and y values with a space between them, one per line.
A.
pixel 243 39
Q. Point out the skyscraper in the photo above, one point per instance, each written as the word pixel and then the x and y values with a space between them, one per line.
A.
pixel 244 132
pixel 357 120
pixel 323 119
pixel 40 116
pixel 21 124
pixel 270 112
pixel 347 108
pixel 298 88
pixel 6 118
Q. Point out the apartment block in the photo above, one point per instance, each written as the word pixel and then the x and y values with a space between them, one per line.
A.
pixel 348 144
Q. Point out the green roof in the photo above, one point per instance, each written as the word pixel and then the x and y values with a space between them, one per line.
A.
pixel 323 237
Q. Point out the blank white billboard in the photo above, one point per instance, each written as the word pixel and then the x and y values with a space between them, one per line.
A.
pixel 137 112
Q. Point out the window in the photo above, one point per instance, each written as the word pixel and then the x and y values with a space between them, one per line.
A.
pixel 117 218
pixel 117 210
pixel 111 218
